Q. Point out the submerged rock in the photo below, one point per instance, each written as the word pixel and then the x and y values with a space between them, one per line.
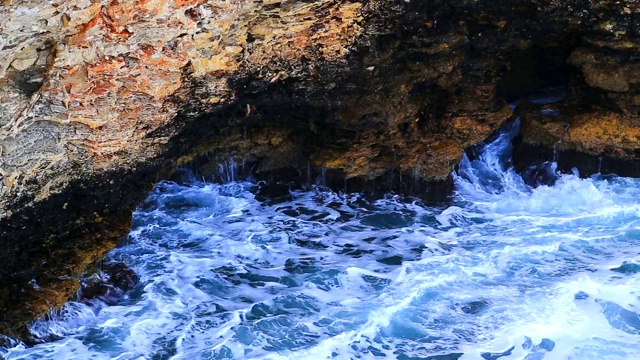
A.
pixel 99 100
pixel 108 284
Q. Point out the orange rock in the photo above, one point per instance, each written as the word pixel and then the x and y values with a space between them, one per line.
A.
pixel 187 3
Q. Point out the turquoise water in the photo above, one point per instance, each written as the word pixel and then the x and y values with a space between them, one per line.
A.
pixel 503 271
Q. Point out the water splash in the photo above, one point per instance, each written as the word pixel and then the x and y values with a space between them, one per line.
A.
pixel 508 271
pixel 228 171
pixel 492 171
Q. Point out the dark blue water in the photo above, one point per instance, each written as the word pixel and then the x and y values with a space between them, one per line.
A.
pixel 505 272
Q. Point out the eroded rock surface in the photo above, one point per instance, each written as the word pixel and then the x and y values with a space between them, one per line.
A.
pixel 100 99
pixel 91 93
pixel 596 128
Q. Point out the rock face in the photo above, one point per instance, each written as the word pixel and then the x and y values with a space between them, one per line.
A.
pixel 100 99
pixel 596 128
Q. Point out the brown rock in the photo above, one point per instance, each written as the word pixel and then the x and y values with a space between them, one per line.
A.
pixel 98 100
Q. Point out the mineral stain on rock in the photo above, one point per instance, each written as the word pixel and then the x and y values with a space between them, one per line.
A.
pixel 100 99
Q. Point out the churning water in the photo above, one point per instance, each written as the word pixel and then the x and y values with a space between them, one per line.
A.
pixel 503 271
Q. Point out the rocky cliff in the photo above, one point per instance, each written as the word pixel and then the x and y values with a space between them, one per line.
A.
pixel 100 99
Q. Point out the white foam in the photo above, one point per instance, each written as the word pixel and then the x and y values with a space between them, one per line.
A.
pixel 224 276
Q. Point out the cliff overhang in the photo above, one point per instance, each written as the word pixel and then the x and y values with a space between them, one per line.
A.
pixel 100 99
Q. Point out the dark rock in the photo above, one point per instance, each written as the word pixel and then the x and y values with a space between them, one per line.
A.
pixel 121 276
pixel 182 176
pixel 543 174
pixel 109 284
pixel 273 193
pixel 385 95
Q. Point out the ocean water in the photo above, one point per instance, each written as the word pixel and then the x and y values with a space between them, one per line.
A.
pixel 503 271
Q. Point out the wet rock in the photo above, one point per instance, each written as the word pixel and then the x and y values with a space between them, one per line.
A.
pixel 100 100
pixel 599 141
pixel 7 342
pixel 182 176
pixel 109 284
pixel 543 174
pixel 121 276
pixel 273 193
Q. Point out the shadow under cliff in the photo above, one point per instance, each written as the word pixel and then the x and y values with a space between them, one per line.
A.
pixel 428 80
